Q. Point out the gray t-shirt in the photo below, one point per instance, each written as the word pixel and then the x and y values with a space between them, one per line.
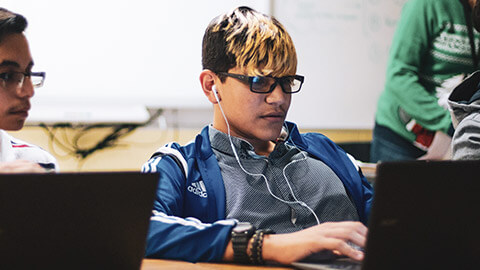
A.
pixel 248 198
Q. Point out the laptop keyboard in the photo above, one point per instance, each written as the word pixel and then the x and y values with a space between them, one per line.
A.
pixel 343 263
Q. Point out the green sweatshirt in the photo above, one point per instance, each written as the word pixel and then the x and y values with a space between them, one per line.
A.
pixel 430 45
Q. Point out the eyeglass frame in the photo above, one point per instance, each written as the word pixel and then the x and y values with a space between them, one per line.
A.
pixel 249 80
pixel 3 77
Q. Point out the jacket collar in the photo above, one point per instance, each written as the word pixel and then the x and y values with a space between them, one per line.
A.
pixel 294 136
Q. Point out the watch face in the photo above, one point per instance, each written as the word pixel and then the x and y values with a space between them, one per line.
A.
pixel 242 227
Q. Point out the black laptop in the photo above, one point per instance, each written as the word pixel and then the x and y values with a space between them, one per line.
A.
pixel 75 220
pixel 425 215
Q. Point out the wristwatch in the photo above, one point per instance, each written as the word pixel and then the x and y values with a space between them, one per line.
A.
pixel 241 235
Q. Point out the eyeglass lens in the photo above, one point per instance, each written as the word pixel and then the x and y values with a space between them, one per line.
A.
pixel 15 80
pixel 37 80
pixel 263 84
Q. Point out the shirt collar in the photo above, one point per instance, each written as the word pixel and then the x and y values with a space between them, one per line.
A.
pixel 220 142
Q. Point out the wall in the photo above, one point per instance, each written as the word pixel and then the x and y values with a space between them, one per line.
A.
pixel 124 54
pixel 134 55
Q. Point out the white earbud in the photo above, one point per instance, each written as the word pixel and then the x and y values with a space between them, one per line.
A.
pixel 215 93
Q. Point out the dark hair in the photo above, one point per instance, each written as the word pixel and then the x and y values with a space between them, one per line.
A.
pixel 11 23
pixel 214 47
pixel 248 39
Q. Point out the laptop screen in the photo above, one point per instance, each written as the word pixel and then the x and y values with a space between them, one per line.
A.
pixel 75 220
pixel 425 215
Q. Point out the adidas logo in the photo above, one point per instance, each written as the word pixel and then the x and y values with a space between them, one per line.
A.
pixel 198 188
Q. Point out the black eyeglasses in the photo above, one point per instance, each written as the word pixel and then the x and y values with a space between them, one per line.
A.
pixel 13 80
pixel 266 84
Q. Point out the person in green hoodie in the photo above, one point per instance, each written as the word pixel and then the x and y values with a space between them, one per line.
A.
pixel 434 48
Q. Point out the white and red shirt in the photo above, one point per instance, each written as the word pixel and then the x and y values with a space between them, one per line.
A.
pixel 14 149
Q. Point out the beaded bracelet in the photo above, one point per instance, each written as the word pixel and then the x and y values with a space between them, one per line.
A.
pixel 257 244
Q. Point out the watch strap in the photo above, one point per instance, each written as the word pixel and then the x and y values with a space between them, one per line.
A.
pixel 240 241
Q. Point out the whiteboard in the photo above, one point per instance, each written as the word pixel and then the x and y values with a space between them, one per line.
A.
pixel 342 49
pixel 106 60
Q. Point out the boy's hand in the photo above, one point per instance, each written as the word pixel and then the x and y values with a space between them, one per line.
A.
pixel 335 236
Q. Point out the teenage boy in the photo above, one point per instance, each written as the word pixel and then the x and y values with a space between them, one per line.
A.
pixel 17 82
pixel 250 169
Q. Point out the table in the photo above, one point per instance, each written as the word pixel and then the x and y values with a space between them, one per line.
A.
pixel 154 264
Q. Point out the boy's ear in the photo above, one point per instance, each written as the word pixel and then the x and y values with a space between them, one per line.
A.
pixel 207 80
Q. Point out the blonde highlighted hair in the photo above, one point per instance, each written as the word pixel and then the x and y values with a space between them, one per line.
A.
pixel 252 41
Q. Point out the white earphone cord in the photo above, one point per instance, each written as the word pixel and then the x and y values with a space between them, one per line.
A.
pixel 262 175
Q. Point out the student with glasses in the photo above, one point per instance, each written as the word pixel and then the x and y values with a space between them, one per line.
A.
pixel 17 86
pixel 250 173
